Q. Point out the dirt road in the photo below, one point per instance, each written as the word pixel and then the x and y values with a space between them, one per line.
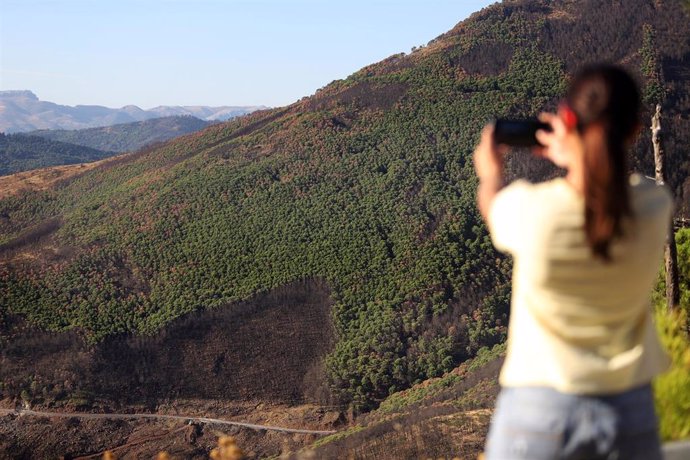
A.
pixel 182 418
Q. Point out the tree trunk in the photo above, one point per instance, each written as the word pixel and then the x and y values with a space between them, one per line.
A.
pixel 670 253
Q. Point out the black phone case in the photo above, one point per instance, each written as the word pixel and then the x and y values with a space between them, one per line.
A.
pixel 518 133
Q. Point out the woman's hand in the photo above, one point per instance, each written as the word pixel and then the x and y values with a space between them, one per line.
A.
pixel 488 163
pixel 561 145
pixel 488 157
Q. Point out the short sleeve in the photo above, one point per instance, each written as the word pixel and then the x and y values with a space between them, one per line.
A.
pixel 507 215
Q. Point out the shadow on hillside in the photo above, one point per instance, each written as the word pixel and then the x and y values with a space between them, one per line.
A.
pixel 269 348
pixel 450 424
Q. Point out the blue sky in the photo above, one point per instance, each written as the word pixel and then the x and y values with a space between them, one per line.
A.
pixel 205 52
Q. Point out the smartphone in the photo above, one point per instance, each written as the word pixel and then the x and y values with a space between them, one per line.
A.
pixel 518 133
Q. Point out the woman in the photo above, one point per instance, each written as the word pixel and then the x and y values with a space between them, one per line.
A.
pixel 582 348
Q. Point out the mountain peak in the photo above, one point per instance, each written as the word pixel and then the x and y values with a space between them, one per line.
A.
pixel 132 109
pixel 18 93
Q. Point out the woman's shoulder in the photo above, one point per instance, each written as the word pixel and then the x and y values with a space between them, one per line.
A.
pixel 553 197
pixel 546 188
pixel 539 201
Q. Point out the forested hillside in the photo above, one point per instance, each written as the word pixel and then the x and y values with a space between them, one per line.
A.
pixel 126 137
pixel 20 152
pixel 368 185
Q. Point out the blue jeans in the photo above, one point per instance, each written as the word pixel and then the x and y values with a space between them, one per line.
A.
pixel 540 423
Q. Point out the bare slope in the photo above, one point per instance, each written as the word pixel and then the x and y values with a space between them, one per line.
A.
pixel 268 349
pixel 41 179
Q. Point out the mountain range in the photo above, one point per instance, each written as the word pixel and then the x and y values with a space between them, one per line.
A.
pixel 23 111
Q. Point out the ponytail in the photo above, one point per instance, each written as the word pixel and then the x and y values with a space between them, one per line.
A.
pixel 607 95
pixel 606 197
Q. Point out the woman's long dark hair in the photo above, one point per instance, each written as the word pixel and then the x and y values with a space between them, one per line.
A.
pixel 607 95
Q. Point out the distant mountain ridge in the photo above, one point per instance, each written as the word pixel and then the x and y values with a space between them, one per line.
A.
pixel 127 137
pixel 20 152
pixel 22 110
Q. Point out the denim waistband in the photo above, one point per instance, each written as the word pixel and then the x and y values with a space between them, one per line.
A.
pixel 634 408
pixel 542 423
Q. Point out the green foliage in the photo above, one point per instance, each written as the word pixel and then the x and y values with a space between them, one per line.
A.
pixel 341 434
pixel 402 399
pixel 650 66
pixel 486 355
pixel 683 256
pixel 672 389
pixel 683 252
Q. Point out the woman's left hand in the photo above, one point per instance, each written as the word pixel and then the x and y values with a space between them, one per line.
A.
pixel 488 157
pixel 488 163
